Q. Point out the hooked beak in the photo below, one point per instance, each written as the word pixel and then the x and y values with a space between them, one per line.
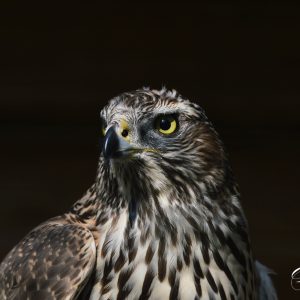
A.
pixel 114 146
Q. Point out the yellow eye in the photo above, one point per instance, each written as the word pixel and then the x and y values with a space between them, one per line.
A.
pixel 102 127
pixel 166 124
pixel 103 131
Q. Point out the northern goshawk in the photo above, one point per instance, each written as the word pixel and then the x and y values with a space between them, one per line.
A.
pixel 163 219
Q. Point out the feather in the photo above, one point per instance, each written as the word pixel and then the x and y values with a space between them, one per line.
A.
pixel 266 290
pixel 52 262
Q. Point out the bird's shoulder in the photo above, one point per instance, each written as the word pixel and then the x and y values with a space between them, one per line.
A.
pixel 53 261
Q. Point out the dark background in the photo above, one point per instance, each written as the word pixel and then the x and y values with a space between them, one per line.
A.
pixel 60 65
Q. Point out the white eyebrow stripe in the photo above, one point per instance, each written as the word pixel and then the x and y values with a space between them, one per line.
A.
pixel 166 110
pixel 178 107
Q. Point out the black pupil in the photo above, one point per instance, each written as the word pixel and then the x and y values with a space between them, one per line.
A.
pixel 165 124
pixel 125 133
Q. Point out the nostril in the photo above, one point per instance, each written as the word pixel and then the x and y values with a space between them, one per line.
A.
pixel 124 133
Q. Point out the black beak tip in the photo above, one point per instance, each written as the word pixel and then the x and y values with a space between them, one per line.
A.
pixel 110 144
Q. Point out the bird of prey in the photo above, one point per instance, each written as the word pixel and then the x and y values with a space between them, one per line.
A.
pixel 163 219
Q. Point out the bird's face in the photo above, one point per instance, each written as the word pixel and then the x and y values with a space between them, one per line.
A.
pixel 159 135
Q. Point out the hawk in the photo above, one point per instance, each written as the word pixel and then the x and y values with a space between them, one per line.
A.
pixel 163 219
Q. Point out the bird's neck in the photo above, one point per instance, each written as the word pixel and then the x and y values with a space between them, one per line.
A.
pixel 173 201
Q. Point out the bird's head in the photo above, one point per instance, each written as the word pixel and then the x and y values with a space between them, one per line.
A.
pixel 157 141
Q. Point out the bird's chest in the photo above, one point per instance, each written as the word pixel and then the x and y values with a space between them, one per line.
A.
pixel 133 264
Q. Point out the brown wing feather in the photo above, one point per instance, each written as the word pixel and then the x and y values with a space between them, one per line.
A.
pixel 53 261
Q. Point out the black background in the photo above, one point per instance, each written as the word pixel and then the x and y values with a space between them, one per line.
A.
pixel 60 65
